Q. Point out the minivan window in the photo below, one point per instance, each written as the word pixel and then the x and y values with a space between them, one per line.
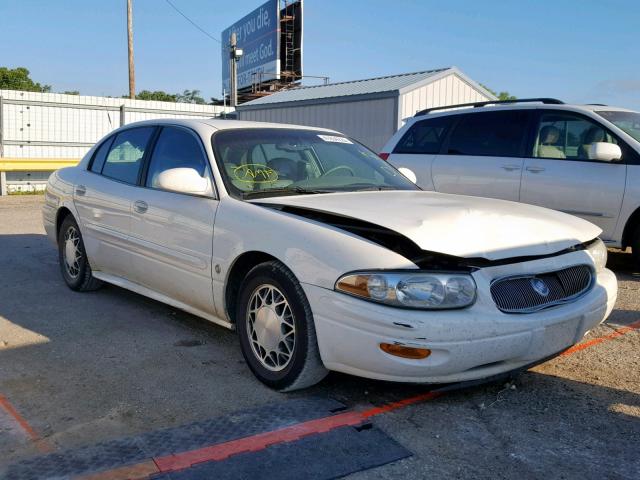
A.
pixel 425 136
pixel 566 136
pixel 496 134
pixel 125 157
pixel 176 148
pixel 628 122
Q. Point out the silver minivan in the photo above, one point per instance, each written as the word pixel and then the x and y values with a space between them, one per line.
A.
pixel 579 159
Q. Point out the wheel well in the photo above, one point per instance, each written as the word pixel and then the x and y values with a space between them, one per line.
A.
pixel 630 228
pixel 62 214
pixel 239 270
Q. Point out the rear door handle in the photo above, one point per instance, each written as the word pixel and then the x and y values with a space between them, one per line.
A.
pixel 535 169
pixel 81 190
pixel 510 168
pixel 140 206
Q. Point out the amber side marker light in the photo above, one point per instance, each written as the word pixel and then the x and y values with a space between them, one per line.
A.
pixel 405 352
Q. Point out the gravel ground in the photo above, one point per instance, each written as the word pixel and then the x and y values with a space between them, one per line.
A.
pixel 83 368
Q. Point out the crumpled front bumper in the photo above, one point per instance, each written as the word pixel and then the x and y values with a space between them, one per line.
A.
pixel 467 344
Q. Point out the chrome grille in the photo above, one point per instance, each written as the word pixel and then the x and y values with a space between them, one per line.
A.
pixel 530 293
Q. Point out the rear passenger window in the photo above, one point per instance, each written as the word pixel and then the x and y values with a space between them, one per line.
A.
pixel 424 136
pixel 125 157
pixel 497 134
pixel 100 156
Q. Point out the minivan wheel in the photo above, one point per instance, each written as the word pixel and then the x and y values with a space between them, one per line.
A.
pixel 74 265
pixel 276 329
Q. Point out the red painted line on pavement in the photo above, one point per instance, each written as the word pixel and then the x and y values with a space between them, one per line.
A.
pixel 257 442
pixel 261 441
pixel 254 443
pixel 590 343
pixel 43 446
pixel 389 407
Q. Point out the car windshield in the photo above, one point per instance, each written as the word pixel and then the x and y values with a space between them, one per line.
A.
pixel 628 122
pixel 263 162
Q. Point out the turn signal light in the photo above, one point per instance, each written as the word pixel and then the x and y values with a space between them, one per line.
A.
pixel 405 352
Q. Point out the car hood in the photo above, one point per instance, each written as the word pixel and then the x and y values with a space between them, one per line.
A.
pixel 463 226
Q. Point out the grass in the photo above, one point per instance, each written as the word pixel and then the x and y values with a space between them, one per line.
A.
pixel 28 192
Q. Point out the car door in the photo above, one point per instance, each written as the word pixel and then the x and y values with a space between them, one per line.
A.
pixel 559 174
pixel 419 146
pixel 483 155
pixel 171 232
pixel 103 196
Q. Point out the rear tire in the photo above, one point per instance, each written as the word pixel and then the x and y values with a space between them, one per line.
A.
pixel 74 264
pixel 276 329
pixel 635 247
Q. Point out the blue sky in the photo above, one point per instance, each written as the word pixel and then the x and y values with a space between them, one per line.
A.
pixel 577 50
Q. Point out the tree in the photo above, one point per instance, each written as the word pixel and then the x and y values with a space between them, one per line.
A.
pixel 18 79
pixel 157 95
pixel 71 92
pixel 501 95
pixel 190 96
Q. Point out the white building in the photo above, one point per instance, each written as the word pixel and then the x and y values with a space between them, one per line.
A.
pixel 369 110
pixel 40 132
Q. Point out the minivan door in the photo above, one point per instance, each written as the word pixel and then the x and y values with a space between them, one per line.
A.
pixel 483 156
pixel 561 176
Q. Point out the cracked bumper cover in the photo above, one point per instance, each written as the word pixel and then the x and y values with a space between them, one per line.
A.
pixel 468 344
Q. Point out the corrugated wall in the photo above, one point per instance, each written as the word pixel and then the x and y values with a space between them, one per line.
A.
pixel 51 125
pixel 449 90
pixel 371 122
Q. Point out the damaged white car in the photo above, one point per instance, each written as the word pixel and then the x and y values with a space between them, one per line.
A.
pixel 324 257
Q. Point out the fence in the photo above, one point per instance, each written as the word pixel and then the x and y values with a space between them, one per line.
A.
pixel 41 132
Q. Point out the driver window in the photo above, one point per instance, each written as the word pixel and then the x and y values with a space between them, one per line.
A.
pixel 176 148
pixel 566 136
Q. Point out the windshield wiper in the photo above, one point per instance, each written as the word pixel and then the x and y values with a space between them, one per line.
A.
pixel 283 191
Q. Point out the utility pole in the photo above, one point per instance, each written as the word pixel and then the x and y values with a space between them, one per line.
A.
pixel 234 55
pixel 132 73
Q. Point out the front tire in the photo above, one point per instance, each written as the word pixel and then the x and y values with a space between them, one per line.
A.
pixel 74 264
pixel 276 329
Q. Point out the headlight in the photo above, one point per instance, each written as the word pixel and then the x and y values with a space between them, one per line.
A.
pixel 424 290
pixel 598 251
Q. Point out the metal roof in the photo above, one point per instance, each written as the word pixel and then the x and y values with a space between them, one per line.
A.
pixel 371 86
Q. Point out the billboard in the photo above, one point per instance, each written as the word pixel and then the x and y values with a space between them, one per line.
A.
pixel 258 35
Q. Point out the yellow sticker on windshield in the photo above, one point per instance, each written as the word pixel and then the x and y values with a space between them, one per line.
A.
pixel 255 173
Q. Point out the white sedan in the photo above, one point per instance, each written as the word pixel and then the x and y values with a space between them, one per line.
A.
pixel 324 257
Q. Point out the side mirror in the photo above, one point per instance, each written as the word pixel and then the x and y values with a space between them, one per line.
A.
pixel 407 172
pixel 606 152
pixel 183 180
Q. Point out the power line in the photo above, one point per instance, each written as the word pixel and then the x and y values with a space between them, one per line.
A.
pixel 193 23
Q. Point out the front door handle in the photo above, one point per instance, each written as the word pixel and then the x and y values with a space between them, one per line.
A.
pixel 510 168
pixel 140 206
pixel 535 169
pixel 81 190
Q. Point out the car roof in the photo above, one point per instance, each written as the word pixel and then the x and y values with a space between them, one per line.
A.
pixel 221 124
pixel 521 106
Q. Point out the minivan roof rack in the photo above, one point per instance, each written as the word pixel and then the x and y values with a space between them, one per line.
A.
pixel 548 101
